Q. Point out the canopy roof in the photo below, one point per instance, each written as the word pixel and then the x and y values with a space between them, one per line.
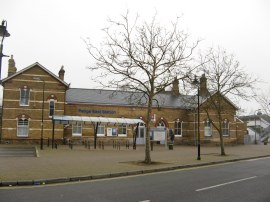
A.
pixel 93 120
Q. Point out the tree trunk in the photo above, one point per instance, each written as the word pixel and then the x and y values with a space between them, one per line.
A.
pixel 222 149
pixel 147 137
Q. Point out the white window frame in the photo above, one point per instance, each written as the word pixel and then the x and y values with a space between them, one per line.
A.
pixel 178 129
pixel 22 127
pixel 101 127
pixel 25 88
pixel 141 131
pixel 51 101
pixel 161 124
pixel 226 127
pixel 120 130
pixel 77 127
pixel 208 128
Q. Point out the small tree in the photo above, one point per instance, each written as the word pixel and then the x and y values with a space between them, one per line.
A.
pixel 226 80
pixel 144 58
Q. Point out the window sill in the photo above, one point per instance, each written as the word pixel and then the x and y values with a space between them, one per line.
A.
pixel 122 135
pixel 76 135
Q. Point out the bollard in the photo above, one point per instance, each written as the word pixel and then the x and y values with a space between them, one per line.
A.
pixel 103 145
pixel 48 143
pixel 127 144
pixel 71 145
pixel 152 145
pixel 88 144
pixel 55 145
pixel 119 144
pixel 85 144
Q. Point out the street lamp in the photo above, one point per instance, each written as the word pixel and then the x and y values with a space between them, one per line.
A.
pixel 3 33
pixel 197 84
pixel 42 112
pixel 255 116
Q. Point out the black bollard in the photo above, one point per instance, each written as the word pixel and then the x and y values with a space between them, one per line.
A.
pixel 88 144
pixel 119 145
pixel 127 144
pixel 71 145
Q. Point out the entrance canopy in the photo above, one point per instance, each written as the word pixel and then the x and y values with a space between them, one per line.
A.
pixel 94 120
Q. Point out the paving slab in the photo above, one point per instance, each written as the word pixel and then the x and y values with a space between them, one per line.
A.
pixel 80 163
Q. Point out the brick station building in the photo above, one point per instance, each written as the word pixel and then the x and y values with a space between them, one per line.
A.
pixel 33 95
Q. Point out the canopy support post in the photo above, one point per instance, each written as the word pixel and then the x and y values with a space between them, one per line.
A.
pixel 53 134
pixel 95 135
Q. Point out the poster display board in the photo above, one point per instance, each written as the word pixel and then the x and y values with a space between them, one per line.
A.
pixel 158 134
pixel 111 131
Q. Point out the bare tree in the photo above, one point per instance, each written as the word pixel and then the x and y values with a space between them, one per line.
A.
pixel 226 79
pixel 142 57
pixel 264 101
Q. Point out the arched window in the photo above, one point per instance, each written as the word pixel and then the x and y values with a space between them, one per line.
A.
pixel 178 127
pixel 52 100
pixel 22 126
pixel 24 96
pixel 225 127
pixel 207 127
pixel 51 107
pixel 161 124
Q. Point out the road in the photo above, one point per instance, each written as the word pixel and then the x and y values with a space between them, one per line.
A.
pixel 239 181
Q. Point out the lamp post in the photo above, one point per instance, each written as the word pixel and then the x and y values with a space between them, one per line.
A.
pixel 42 111
pixel 3 33
pixel 197 84
pixel 255 116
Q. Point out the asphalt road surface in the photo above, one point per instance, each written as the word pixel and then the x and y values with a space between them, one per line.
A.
pixel 239 181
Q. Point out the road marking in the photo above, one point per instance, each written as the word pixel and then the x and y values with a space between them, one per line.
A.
pixel 223 184
pixel 115 178
pixel 256 159
pixel 145 201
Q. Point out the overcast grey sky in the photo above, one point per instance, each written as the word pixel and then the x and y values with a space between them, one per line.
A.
pixel 50 31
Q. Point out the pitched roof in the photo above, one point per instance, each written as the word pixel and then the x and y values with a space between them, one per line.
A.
pixel 257 117
pixel 31 66
pixel 212 93
pixel 127 98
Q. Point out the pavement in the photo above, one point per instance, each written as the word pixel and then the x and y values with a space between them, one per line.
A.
pixel 66 165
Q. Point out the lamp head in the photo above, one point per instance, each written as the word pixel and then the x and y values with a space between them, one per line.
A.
pixel 259 113
pixel 195 82
pixel 3 29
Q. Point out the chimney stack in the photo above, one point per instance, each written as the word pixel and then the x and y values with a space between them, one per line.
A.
pixel 61 73
pixel 11 66
pixel 175 87
pixel 203 86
